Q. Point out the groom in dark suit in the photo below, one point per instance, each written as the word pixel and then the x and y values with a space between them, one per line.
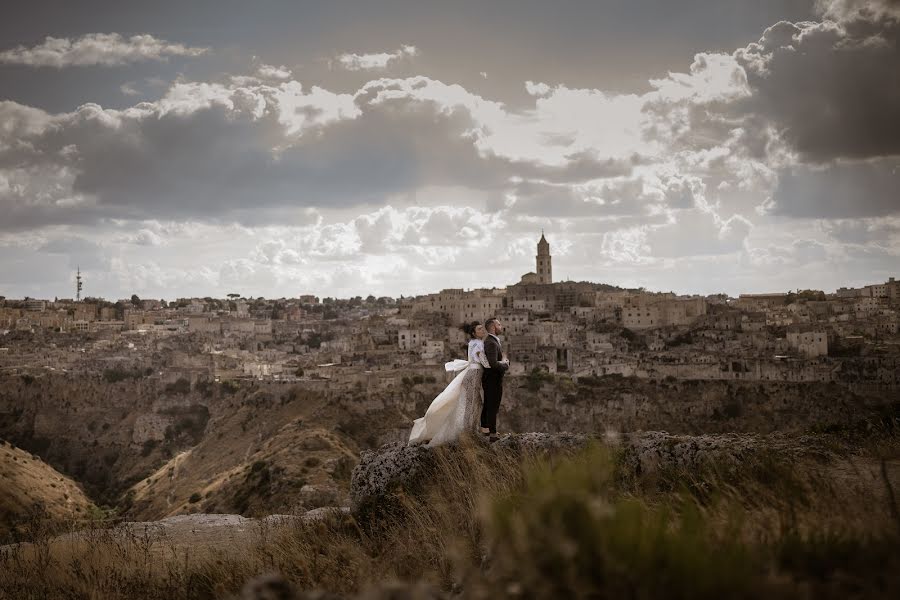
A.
pixel 492 379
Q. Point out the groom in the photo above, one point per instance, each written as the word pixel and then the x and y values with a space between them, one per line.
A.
pixel 492 379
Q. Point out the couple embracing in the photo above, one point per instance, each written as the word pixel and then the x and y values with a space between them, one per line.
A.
pixel 470 403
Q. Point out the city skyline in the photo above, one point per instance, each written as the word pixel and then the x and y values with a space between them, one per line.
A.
pixel 284 150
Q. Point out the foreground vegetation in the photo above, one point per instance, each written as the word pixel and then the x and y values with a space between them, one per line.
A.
pixel 500 525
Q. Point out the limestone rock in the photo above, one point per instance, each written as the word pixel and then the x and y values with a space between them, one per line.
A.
pixel 319 514
pixel 317 496
pixel 399 466
pixel 651 450
pixel 381 470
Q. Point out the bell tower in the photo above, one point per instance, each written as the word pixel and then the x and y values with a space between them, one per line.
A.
pixel 544 267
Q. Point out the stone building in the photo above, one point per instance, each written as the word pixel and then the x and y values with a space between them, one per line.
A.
pixel 461 306
pixel 809 344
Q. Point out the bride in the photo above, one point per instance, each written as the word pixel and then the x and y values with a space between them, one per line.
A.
pixel 456 410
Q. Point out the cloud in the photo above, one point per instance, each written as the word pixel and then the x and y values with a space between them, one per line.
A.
pixel 129 90
pixel 96 49
pixel 844 190
pixel 884 232
pixel 222 153
pixel 271 72
pixel 849 10
pixel 381 60
pixel 699 232
pixel 831 88
pixel 265 183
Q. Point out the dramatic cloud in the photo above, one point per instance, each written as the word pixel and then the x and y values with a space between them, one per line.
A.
pixel 380 60
pixel 96 49
pixel 831 88
pixel 868 189
pixel 736 171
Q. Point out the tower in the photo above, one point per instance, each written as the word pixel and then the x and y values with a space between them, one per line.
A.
pixel 78 286
pixel 544 266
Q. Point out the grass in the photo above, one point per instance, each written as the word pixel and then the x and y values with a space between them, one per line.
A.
pixel 494 525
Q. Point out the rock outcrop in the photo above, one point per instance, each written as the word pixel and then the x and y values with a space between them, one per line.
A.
pixel 381 472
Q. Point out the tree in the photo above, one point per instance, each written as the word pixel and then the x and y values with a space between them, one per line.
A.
pixel 232 295
pixel 135 301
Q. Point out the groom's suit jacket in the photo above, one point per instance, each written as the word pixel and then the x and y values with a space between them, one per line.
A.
pixel 493 351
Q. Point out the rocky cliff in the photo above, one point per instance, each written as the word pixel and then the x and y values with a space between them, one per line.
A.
pixel 155 449
pixel 396 466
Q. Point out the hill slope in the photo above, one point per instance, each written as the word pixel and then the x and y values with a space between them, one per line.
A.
pixel 30 487
pixel 268 454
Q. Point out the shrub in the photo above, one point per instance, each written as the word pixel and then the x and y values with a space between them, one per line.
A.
pixel 230 387
pixel 536 378
pixel 181 386
pixel 195 498
pixel 148 447
pixel 115 374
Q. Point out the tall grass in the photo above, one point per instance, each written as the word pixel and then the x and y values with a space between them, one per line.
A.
pixel 493 524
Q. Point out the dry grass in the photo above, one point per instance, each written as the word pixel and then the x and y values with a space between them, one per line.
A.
pixel 29 485
pixel 499 525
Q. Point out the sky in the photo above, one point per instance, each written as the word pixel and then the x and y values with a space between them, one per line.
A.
pixel 178 149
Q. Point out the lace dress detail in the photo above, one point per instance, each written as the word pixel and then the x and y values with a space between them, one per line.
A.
pixel 473 395
pixel 450 418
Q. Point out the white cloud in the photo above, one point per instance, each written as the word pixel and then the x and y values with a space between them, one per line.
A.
pixel 380 60
pixel 128 89
pixel 271 72
pixel 712 77
pixel 96 49
pixel 298 110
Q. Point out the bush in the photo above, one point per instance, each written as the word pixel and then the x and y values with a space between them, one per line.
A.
pixel 536 378
pixel 148 447
pixel 116 374
pixel 195 498
pixel 230 387
pixel 205 387
pixel 181 386
pixel 567 534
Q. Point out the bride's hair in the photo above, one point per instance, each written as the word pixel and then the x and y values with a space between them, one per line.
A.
pixel 469 328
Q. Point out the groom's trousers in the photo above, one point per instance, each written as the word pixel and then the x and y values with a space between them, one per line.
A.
pixel 493 394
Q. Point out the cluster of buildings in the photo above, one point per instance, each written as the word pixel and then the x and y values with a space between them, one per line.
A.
pixel 578 328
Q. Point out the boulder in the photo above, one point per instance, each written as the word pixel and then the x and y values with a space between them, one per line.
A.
pixel 383 470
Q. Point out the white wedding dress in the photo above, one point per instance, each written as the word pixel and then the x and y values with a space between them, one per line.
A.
pixel 457 409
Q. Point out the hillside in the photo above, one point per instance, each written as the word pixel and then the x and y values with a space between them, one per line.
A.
pixel 645 515
pixel 31 489
pixel 154 449
pixel 271 454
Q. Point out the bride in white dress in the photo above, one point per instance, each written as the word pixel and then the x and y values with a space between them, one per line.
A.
pixel 456 410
